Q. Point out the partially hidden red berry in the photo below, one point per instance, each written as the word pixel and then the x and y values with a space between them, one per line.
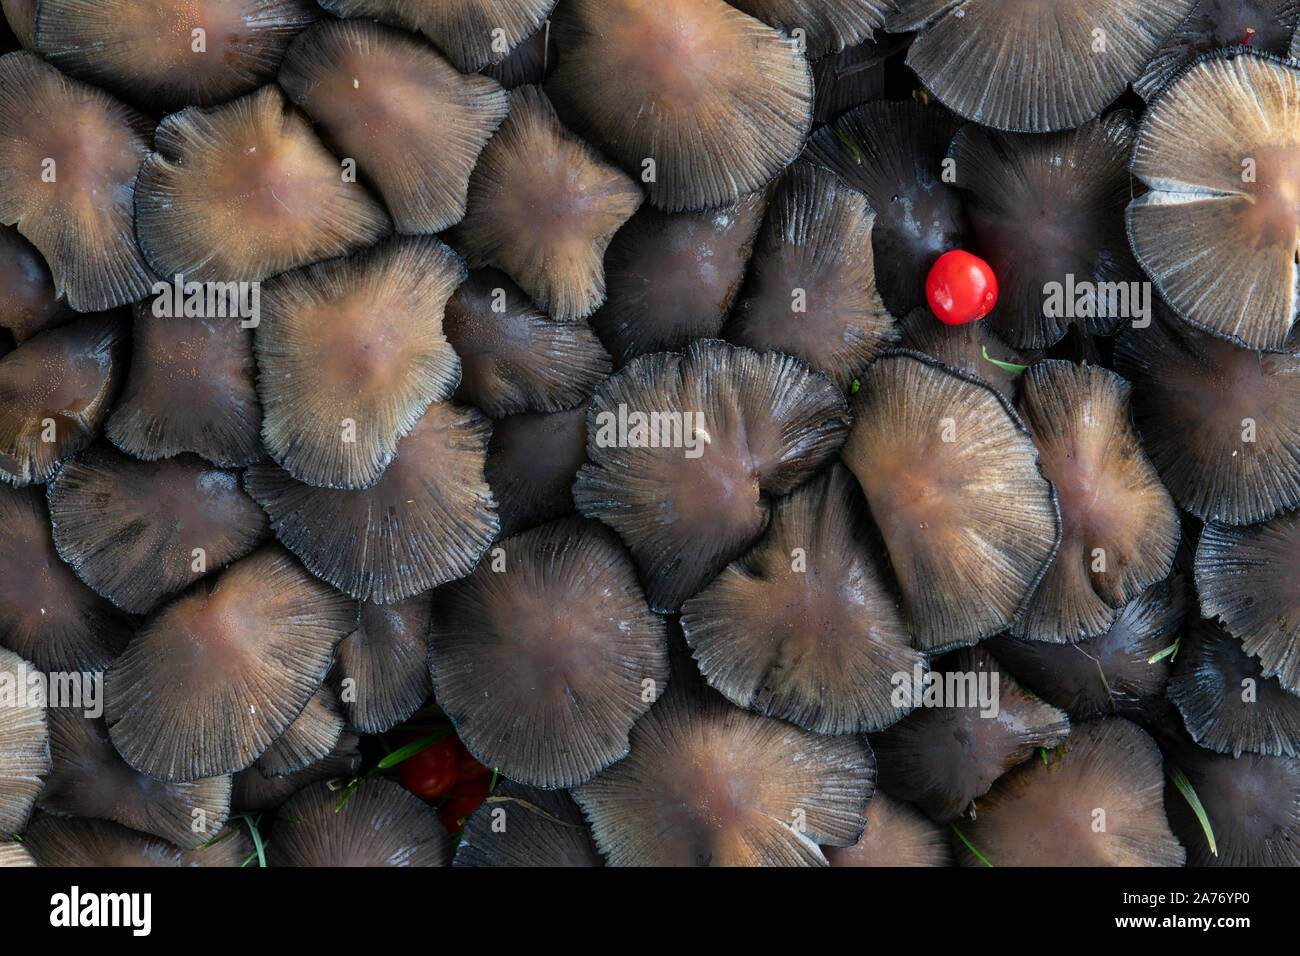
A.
pixel 961 288
pixel 464 799
pixel 434 770
pixel 469 767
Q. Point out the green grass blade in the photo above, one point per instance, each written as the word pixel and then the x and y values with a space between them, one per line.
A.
pixel 1184 786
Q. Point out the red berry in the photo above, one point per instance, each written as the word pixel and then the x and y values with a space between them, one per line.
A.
pixel 469 767
pixel 464 799
pixel 961 288
pixel 434 770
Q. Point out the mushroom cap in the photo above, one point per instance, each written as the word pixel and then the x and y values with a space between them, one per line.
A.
pixel 380 96
pixel 71 153
pixel 543 206
pixel 251 790
pixel 673 278
pixel 806 626
pixel 533 460
pixel 894 156
pixel 1226 703
pixel 47 615
pixel 719 101
pixel 897 834
pixel 245 190
pixel 24 740
pixel 13 853
pixel 1252 802
pixel 1221 423
pixel 828 25
pixel 1249 578
pixel 90 779
pixel 1033 67
pixel 526 64
pixel 851 77
pixel 811 287
pixel 58 384
pixel 425 522
pixel 383 665
pixel 145 51
pixel 709 784
pixel 973 723
pixel 522 826
pixel 1113 674
pixel 1219 232
pixel 21 18
pixel 1119 526
pixel 962 348
pixel 131 529
pixel 553 632
pixel 83 842
pixel 190 388
pixel 761 425
pixel 27 301
pixel 379 824
pixel 955 485
pixel 1097 802
pixel 217 675
pixel 1050 210
pixel 311 737
pixel 1215 24
pixel 464 30
pixel 350 353
pixel 513 356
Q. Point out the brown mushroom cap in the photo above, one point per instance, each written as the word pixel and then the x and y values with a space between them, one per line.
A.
pixel 811 288
pixel 1049 211
pixel 760 424
pixel 27 301
pixel 1226 702
pixel 47 615
pixel 719 101
pixel 24 740
pixel 378 824
pixel 381 97
pixel 82 842
pixel 1098 801
pixel 522 826
pixel 543 207
pixel 1120 673
pixel 130 529
pixel 1221 423
pixel 972 724
pixel 852 77
pixel 955 485
pixel 828 26
pixel 21 17
pixel 551 631
pixel 147 51
pixel 1035 67
pixel 54 391
pixel 251 790
pixel 897 834
pixel 216 676
pixel 1249 578
pixel 528 63
pixel 533 460
pixel 89 779
pixel 190 388
pixel 383 665
pixel 311 737
pixel 245 190
pixel 709 784
pixel 466 31
pixel 673 278
pixel 1265 25
pixel 806 625
pixel 350 353
pixel 426 521
pixel 71 153
pixel 514 357
pixel 1219 232
pixel 1119 526
pixel 13 853
pixel 893 153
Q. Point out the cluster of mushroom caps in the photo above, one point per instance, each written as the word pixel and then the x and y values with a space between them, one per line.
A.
pixel 481 242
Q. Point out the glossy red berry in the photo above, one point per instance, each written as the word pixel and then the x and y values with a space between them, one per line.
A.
pixel 434 770
pixel 961 288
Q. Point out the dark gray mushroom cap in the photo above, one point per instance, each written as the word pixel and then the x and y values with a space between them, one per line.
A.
pixel 522 826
